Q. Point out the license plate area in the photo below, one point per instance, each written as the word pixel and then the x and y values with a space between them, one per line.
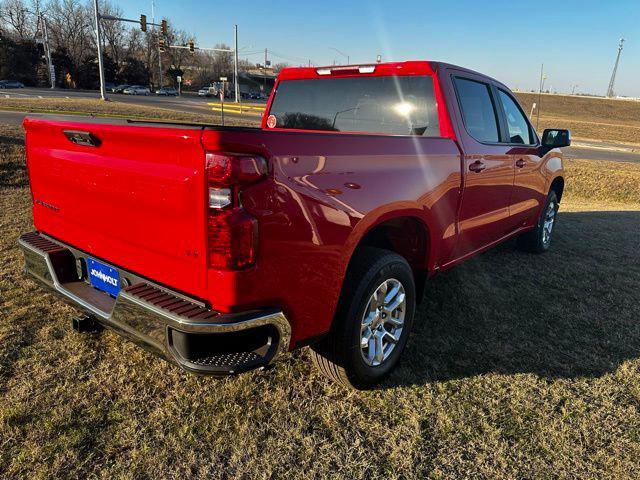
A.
pixel 103 277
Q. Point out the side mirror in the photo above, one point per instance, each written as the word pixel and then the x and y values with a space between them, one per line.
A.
pixel 555 138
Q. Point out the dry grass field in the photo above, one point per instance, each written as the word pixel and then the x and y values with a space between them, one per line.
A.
pixel 587 117
pixel 520 366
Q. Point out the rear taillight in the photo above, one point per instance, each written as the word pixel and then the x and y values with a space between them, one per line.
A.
pixel 227 170
pixel 233 239
pixel 232 232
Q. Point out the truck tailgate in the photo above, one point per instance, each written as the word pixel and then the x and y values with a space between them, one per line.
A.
pixel 135 199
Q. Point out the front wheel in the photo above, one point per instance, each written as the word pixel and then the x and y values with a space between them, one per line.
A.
pixel 538 240
pixel 373 320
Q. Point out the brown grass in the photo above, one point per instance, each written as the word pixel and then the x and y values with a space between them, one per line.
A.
pixel 586 117
pixel 604 181
pixel 520 366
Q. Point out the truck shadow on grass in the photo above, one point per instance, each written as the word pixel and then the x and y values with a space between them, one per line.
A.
pixel 574 311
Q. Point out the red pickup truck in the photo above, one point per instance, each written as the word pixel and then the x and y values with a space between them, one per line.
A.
pixel 220 248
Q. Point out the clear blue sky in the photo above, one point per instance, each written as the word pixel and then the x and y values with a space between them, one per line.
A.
pixel 576 40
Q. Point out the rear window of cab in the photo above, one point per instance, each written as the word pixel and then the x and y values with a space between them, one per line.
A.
pixel 392 105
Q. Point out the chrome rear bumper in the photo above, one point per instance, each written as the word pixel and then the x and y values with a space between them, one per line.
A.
pixel 180 329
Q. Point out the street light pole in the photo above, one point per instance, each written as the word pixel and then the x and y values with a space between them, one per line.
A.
pixel 103 93
pixel 264 78
pixel 153 21
pixel 235 65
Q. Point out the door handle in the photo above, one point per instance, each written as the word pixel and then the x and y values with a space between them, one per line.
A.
pixel 477 166
pixel 520 163
pixel 86 139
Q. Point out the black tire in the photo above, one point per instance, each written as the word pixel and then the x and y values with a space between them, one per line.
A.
pixel 535 241
pixel 339 355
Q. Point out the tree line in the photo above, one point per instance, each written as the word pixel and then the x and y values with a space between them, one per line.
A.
pixel 130 56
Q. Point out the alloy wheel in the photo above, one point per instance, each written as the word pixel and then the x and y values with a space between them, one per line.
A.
pixel 382 323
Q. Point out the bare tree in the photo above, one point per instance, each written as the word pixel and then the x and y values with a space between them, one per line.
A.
pixel 70 28
pixel 175 56
pixel 19 17
pixel 70 23
pixel 279 66
pixel 114 33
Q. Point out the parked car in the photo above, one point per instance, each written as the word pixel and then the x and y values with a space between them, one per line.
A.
pixel 136 90
pixel 109 87
pixel 228 246
pixel 204 92
pixel 121 88
pixel 168 91
pixel 11 84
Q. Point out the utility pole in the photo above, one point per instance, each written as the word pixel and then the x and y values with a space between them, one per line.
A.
pixel 52 71
pixel 236 78
pixel 540 94
pixel 42 24
pixel 610 92
pixel 153 21
pixel 264 80
pixel 103 93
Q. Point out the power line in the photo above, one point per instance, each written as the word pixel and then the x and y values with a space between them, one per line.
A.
pixel 291 58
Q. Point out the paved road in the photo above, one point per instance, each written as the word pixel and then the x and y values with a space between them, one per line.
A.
pixel 189 102
pixel 590 153
pixel 194 104
pixel 11 118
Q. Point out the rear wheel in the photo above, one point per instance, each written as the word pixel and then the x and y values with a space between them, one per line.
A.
pixel 538 240
pixel 373 321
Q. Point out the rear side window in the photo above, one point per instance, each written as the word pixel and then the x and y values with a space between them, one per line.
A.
pixel 519 131
pixel 478 112
pixel 387 105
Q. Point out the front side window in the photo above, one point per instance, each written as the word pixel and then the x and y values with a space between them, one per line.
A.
pixel 478 113
pixel 519 131
pixel 396 105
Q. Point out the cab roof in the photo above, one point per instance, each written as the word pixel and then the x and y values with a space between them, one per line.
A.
pixel 368 69
pixel 410 67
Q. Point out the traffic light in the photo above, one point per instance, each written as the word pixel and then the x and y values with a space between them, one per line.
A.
pixel 192 47
pixel 163 27
pixel 162 45
pixel 143 23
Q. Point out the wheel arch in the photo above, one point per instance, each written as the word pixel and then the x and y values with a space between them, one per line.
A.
pixel 557 185
pixel 404 232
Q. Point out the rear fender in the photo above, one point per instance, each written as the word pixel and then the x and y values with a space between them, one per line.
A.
pixel 385 214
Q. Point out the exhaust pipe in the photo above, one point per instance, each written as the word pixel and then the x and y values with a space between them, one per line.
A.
pixel 86 324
